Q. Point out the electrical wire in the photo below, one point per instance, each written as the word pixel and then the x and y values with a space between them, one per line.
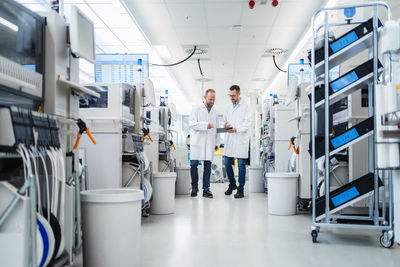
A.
pixel 198 63
pixel 174 64
pixel 273 58
pixel 39 198
pixel 46 175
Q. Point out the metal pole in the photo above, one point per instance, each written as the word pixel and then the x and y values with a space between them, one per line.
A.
pixel 391 198
pixel 313 114
pixel 384 195
pixel 376 177
pixel 326 139
pixel 78 209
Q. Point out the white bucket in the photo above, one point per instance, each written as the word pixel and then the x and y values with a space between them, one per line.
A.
pixel 111 220
pixel 163 193
pixel 256 179
pixel 183 181
pixel 282 193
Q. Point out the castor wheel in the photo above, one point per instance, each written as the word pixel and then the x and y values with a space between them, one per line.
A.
pixel 314 235
pixel 387 239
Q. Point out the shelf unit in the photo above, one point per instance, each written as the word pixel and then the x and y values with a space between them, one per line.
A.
pixel 376 220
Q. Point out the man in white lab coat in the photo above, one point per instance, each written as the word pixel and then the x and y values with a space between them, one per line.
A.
pixel 237 118
pixel 203 122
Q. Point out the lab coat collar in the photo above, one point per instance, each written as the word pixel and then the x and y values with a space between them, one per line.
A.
pixel 237 103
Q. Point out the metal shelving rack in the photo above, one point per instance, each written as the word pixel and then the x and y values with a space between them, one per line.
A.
pixel 375 220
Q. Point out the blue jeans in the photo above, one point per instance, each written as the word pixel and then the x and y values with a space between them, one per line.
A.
pixel 228 162
pixel 195 175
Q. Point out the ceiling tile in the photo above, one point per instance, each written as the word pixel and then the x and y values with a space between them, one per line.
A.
pixel 223 14
pixel 223 35
pixel 261 15
pixel 105 37
pixel 187 14
pixel 192 35
pixel 254 35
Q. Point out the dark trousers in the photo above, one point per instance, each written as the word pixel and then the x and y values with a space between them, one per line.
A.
pixel 195 175
pixel 228 162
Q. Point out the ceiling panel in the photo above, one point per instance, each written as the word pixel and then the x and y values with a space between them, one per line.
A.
pixel 192 35
pixel 114 49
pixel 111 17
pixel 254 35
pixel 223 14
pixel 106 37
pixel 187 14
pixel 223 35
pixel 129 36
pixel 261 15
pixel 284 37
pixel 292 14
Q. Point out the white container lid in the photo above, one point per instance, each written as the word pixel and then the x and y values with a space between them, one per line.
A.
pixel 282 175
pixel 254 167
pixel 182 167
pixel 164 174
pixel 112 195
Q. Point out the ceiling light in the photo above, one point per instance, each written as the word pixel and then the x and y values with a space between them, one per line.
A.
pixel 162 51
pixel 199 51
pixel 276 51
pixel 9 24
pixel 236 28
pixel 204 80
pixel 259 79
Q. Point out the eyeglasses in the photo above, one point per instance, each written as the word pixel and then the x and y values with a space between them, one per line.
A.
pixel 232 95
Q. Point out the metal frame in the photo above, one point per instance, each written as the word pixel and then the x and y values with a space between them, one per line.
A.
pixel 379 223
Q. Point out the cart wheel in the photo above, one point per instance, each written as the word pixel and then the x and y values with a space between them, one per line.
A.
pixel 314 235
pixel 386 240
pixel 146 213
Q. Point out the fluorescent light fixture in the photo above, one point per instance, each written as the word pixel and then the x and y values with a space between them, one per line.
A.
pixel 296 51
pixel 9 24
pixel 162 51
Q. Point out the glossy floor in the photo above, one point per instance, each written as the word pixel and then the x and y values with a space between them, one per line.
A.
pixel 224 231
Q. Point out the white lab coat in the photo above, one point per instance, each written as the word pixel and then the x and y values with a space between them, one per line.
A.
pixel 236 145
pixel 202 140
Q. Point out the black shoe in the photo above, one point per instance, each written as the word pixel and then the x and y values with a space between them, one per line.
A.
pixel 194 192
pixel 239 194
pixel 230 189
pixel 207 193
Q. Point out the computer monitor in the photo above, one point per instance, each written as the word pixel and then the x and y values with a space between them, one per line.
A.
pixel 81 30
pixel 295 70
pixel 121 68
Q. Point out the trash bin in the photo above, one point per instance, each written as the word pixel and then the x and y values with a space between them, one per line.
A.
pixel 163 193
pixel 183 181
pixel 256 179
pixel 111 221
pixel 282 193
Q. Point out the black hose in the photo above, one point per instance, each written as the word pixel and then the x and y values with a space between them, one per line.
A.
pixel 198 63
pixel 273 57
pixel 173 64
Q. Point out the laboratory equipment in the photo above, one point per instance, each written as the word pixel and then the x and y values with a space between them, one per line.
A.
pixel 81 34
pixel 350 45
pixel 22 51
pixel 106 117
pixel 361 32
pixel 347 195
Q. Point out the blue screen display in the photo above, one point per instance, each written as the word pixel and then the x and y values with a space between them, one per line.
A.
pixel 347 195
pixel 344 81
pixel 344 138
pixel 349 38
pixel 31 67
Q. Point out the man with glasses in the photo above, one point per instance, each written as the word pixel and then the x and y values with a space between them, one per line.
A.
pixel 237 118
pixel 203 123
